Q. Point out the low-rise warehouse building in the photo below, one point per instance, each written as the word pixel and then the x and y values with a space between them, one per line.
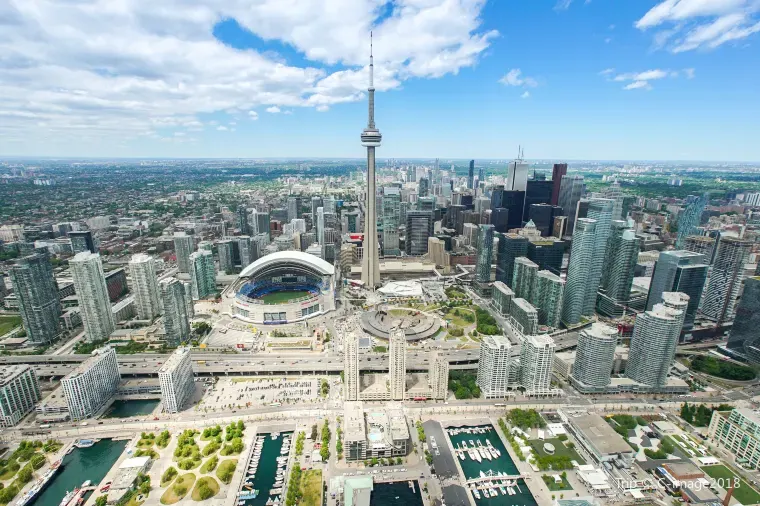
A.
pixel 599 439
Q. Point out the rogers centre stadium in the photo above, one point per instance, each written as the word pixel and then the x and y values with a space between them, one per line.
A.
pixel 284 287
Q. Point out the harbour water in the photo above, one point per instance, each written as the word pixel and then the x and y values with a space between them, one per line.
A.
pixel 503 463
pixel 81 464
pixel 137 407
pixel 396 493
pixel 266 472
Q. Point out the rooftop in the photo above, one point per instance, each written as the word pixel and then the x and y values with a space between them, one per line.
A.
pixel 96 356
pixel 175 359
pixel 9 372
pixel 600 435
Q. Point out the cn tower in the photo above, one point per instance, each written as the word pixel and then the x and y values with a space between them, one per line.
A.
pixel 371 139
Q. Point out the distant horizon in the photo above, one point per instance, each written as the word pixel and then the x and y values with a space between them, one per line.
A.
pixel 379 158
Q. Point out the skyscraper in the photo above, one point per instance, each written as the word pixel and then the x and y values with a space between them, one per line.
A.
pixel 439 376
pixel 601 211
pixel 82 240
pixel 517 176
pixel 184 245
pixel 471 175
pixel 371 139
pixel 536 363
pixel 246 249
pixel 547 298
pixel 92 384
pixel 142 269
pixel 514 203
pixel 653 345
pixel 679 271
pixel 525 316
pixel 351 367
pixel 510 247
pixel 91 290
pixel 397 362
pixel 538 192
pixel 678 301
pixel 419 228
pixel 524 278
pixel 202 274
pixel 261 224
pixel 485 253
pixel 579 272
pixel 316 203
pixel 559 170
pixel 702 244
pixel 19 393
pixel 723 289
pixel 176 380
pixel 37 294
pixel 595 356
pixel 226 255
pixel 547 253
pixel 391 221
pixel 176 317
pixel 689 217
pixel 494 367
pixel 744 337
pixel 242 219
pixel 570 193
pixel 620 264
pixel 294 208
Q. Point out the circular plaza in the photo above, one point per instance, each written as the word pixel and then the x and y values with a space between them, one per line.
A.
pixel 415 324
pixel 284 287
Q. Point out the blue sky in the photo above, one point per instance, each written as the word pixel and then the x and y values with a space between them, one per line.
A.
pixel 580 79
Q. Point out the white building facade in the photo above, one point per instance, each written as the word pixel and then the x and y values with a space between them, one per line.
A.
pixel 176 380
pixel 92 384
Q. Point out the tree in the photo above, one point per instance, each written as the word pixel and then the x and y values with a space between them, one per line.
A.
pixel 24 475
pixel 101 501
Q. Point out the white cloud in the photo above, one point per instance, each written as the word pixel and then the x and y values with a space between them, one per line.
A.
pixel 563 5
pixel 525 95
pixel 222 128
pixel 65 70
pixel 274 109
pixel 253 115
pixel 636 85
pixel 701 24
pixel 641 80
pixel 323 108
pixel 514 78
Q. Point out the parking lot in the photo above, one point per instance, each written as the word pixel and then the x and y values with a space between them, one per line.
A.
pixel 250 392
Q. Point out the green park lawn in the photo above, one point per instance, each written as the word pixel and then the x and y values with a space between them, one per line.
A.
pixel 283 296
pixel 556 487
pixel 559 449
pixel 724 476
pixel 210 482
pixel 179 489
pixel 311 488
pixel 8 323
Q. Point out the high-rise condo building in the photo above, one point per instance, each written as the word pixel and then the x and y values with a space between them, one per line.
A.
pixel 485 252
pixel 579 272
pixel 536 362
pixel 247 251
pixel 494 367
pixel 176 380
pixel 391 210
pixel 423 187
pixel 601 211
pixel 570 193
pixel 689 218
pixel 619 267
pixel 397 361
pixel 547 298
pixel 37 294
pixel 202 274
pixel 242 219
pixel 184 245
pixel 419 228
pixel 525 316
pixel 702 244
pixel 226 255
pixel 678 301
pixel 744 337
pixel 351 367
pixel 82 240
pixel 142 269
pixel 679 271
pixel 189 303
pixel 558 171
pixel 595 357
pixel 19 392
pixel 524 278
pixel 91 290
pixel 371 139
pixel 176 318
pixel 294 208
pixel 653 345
pixel 92 384
pixel 471 175
pixel 510 247
pixel 501 298
pixel 723 289
pixel 439 376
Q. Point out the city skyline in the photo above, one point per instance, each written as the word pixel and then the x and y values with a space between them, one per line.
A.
pixel 287 81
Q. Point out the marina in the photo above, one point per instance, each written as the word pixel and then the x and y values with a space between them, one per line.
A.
pixel 492 477
pixel 76 469
pixel 266 471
